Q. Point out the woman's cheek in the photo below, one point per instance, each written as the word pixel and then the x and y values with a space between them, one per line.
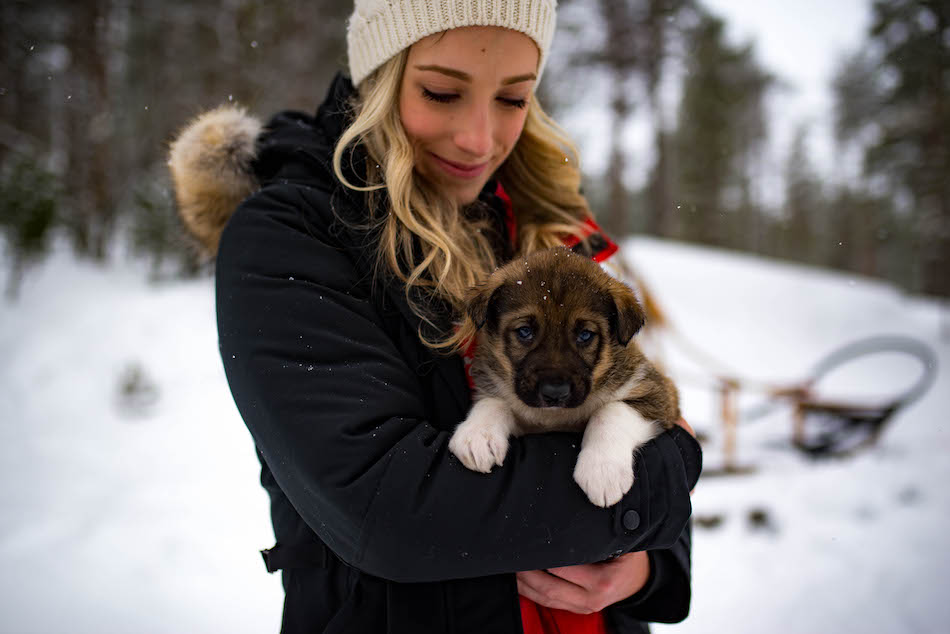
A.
pixel 513 132
pixel 417 118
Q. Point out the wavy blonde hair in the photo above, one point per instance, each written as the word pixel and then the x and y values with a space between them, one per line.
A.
pixel 425 239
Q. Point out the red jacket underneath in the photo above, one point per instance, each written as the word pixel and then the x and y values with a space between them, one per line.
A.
pixel 537 619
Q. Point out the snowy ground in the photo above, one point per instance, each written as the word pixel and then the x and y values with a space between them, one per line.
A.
pixel 138 509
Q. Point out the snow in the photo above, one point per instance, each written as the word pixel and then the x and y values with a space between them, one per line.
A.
pixel 143 513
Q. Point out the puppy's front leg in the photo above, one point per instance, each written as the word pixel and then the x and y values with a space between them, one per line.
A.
pixel 604 467
pixel 481 440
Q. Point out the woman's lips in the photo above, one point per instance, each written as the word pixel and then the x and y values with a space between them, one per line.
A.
pixel 460 170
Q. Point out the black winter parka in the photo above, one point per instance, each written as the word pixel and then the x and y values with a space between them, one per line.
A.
pixel 379 527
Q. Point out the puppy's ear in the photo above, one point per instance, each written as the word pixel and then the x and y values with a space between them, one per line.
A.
pixel 479 301
pixel 630 314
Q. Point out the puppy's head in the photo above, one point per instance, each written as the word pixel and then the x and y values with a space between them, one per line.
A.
pixel 553 321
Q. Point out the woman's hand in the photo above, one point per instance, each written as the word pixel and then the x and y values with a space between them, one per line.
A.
pixel 586 588
pixel 589 588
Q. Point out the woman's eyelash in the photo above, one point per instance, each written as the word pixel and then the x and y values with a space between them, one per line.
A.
pixel 437 96
pixel 515 103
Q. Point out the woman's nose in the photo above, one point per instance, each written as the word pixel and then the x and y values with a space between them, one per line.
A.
pixel 474 135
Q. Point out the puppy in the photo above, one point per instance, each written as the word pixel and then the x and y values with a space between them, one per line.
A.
pixel 554 353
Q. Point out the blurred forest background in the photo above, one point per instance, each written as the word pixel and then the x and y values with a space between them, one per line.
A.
pixel 92 91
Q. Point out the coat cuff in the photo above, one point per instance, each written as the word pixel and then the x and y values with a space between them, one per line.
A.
pixel 692 454
pixel 666 596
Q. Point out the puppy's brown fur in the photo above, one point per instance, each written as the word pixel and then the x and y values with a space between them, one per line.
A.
pixel 555 353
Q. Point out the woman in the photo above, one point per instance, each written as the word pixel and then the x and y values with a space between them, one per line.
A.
pixel 338 284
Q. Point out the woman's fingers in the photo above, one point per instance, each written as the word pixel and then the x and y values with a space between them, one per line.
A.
pixel 595 586
pixel 584 575
pixel 551 591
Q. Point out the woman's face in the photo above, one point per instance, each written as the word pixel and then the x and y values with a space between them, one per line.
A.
pixel 463 102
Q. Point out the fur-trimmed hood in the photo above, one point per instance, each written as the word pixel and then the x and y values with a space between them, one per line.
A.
pixel 226 154
pixel 211 167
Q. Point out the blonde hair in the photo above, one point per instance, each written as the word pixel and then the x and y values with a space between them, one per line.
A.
pixel 425 239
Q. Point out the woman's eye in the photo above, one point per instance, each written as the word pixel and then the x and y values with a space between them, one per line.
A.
pixel 514 103
pixel 584 336
pixel 439 97
pixel 525 333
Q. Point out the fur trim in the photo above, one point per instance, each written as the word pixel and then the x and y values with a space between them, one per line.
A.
pixel 210 163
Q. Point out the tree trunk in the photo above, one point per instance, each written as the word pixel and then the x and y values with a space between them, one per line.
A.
pixel 90 130
pixel 659 221
pixel 618 202
pixel 937 263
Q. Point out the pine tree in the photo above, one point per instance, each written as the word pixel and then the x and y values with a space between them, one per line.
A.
pixel 893 102
pixel 721 130
pixel 628 42
pixel 803 210
pixel 28 207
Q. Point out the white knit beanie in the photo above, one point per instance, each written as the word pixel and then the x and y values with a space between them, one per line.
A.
pixel 379 29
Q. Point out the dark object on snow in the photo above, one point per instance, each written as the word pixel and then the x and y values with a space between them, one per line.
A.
pixel 137 393
pixel 760 519
pixel 710 521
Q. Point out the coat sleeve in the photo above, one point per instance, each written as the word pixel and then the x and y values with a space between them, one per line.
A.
pixel 337 415
pixel 666 596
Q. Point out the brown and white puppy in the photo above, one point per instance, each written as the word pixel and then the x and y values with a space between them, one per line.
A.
pixel 555 353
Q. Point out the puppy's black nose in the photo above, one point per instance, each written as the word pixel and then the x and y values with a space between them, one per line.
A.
pixel 554 393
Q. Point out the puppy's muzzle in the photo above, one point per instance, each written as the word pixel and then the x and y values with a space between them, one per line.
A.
pixel 554 392
pixel 550 387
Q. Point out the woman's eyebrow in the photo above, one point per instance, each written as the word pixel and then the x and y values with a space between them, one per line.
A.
pixel 451 72
pixel 519 78
pixel 458 74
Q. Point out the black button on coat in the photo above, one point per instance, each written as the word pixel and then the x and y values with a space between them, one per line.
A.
pixel 351 415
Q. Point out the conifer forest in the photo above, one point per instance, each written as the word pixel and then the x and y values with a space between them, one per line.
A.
pixel 92 91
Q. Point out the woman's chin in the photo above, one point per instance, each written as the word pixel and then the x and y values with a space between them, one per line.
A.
pixel 467 198
pixel 463 194
pixel 462 191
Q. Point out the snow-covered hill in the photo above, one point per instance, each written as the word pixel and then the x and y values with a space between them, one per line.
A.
pixel 129 484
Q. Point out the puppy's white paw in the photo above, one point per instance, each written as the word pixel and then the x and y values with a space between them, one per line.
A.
pixel 479 447
pixel 481 441
pixel 603 478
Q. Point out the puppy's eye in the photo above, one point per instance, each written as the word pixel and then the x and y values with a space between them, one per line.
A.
pixel 525 333
pixel 585 336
